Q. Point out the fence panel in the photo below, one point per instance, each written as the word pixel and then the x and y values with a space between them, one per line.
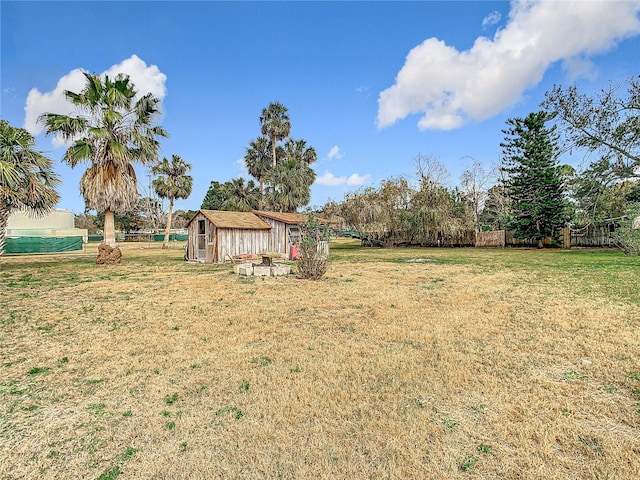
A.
pixel 502 238
pixel 496 239
pixel 592 236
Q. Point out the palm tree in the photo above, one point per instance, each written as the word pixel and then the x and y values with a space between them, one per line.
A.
pixel 109 132
pixel 258 161
pixel 172 182
pixel 241 197
pixel 275 124
pixel 298 149
pixel 27 181
pixel 289 185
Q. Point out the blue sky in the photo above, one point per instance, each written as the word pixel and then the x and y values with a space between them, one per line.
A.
pixel 370 85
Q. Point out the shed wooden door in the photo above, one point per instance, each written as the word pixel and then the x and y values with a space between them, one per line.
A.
pixel 201 240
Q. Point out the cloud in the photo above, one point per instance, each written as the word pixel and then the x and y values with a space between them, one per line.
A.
pixel 241 166
pixel 334 153
pixel 491 19
pixel 451 88
pixel 330 180
pixel 147 79
pixel 579 67
pixel 356 179
pixel 53 101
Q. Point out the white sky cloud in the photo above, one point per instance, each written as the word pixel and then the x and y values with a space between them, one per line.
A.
pixel 241 167
pixel 579 67
pixel 451 88
pixel 147 79
pixel 491 19
pixel 330 180
pixel 356 179
pixel 334 153
pixel 53 101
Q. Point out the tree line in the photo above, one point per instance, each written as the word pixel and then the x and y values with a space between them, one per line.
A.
pixel 528 192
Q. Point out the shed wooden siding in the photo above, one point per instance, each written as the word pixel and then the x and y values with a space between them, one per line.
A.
pixel 280 224
pixel 232 241
pixel 278 242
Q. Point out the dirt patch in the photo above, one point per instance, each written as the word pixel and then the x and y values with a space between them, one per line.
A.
pixel 108 255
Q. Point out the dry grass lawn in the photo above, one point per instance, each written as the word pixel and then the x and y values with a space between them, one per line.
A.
pixel 406 363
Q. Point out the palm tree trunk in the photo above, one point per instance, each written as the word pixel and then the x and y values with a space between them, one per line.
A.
pixel 261 201
pixel 273 149
pixel 167 230
pixel 109 229
pixel 5 210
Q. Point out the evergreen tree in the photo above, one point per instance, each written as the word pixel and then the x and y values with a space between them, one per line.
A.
pixel 232 195
pixel 532 177
pixel 215 196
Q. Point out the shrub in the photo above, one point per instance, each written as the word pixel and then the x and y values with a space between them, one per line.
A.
pixel 627 235
pixel 313 249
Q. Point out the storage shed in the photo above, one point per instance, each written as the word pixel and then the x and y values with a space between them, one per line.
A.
pixel 285 231
pixel 217 236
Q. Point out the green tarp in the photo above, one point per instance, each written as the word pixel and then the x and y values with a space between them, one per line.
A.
pixel 141 237
pixel 42 244
pixel 172 236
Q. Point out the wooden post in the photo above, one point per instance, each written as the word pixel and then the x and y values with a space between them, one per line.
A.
pixel 566 237
pixel 209 255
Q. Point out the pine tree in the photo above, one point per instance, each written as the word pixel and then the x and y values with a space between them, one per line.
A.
pixel 532 178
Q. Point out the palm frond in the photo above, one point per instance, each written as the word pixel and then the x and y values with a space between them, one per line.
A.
pixel 110 132
pixel 27 180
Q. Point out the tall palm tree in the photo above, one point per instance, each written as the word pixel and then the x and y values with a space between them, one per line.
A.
pixel 27 180
pixel 275 124
pixel 298 149
pixel 258 161
pixel 110 131
pixel 289 185
pixel 172 182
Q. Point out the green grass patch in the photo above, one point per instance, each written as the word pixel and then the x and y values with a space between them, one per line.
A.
pixel 38 370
